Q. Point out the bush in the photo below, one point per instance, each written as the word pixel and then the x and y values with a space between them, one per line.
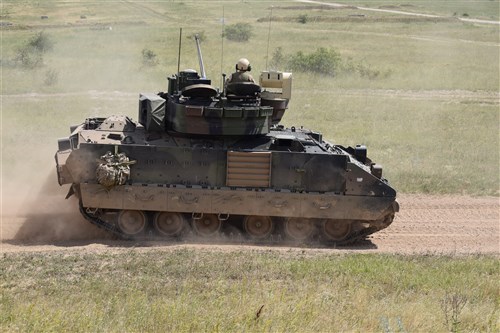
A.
pixel 41 42
pixel 322 61
pixel 28 57
pixel 149 58
pixel 31 54
pixel 239 32
pixel 367 71
pixel 303 18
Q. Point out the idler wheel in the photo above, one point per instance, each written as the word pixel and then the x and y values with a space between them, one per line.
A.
pixel 299 229
pixel 336 230
pixel 258 227
pixel 132 222
pixel 206 226
pixel 169 224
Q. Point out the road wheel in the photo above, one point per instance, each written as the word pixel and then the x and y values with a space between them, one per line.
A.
pixel 132 222
pixel 299 229
pixel 206 226
pixel 258 227
pixel 336 230
pixel 169 224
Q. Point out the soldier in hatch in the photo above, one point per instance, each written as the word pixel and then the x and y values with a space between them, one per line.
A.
pixel 242 72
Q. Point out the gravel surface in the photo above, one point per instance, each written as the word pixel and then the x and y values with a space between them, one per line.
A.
pixel 425 225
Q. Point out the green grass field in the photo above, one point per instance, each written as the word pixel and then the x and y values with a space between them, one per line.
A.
pixel 197 290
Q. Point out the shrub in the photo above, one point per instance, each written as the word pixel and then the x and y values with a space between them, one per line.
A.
pixel 303 18
pixel 41 42
pixel 149 58
pixel 322 61
pixel 30 55
pixel 239 32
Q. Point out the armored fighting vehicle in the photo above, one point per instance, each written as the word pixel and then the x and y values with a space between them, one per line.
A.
pixel 217 163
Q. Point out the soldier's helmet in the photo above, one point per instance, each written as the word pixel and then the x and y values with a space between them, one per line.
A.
pixel 243 65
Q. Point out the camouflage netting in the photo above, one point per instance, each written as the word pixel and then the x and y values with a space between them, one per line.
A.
pixel 113 170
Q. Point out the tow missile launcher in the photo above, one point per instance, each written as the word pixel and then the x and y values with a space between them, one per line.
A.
pixel 215 161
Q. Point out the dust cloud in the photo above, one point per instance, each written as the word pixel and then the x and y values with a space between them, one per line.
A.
pixel 35 210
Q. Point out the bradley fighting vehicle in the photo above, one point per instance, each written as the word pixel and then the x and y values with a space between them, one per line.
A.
pixel 215 162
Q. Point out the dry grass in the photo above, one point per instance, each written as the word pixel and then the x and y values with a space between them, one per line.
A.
pixel 209 290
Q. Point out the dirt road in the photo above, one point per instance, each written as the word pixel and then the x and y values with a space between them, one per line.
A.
pixel 426 224
pixel 393 11
pixel 443 224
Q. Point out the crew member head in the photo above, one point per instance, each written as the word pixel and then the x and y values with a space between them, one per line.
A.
pixel 243 65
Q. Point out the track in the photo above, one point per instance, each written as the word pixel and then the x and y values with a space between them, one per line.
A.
pixel 425 225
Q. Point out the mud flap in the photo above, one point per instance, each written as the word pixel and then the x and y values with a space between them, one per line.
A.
pixel 70 192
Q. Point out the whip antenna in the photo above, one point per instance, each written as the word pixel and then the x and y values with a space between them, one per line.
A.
pixel 179 56
pixel 222 47
pixel 269 35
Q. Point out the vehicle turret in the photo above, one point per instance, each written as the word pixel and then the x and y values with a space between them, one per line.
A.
pixel 193 107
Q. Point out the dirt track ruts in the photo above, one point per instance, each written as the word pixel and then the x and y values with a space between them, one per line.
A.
pixel 400 12
pixel 425 225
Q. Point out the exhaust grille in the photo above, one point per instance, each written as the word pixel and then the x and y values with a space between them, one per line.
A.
pixel 248 169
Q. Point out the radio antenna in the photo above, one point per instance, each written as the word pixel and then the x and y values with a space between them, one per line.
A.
pixel 179 56
pixel 269 35
pixel 222 48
